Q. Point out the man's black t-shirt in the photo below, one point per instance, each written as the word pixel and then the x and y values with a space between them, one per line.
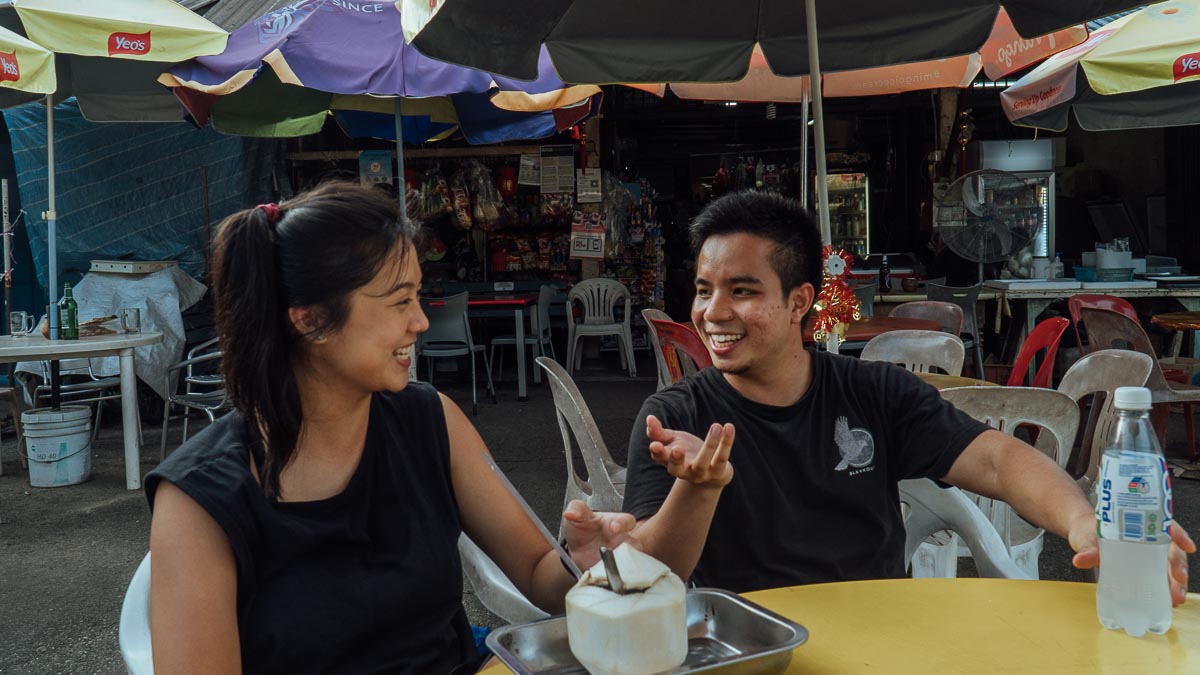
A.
pixel 814 494
pixel 367 581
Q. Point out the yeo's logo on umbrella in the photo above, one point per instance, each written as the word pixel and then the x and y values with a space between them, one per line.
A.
pixel 1187 65
pixel 129 43
pixel 10 70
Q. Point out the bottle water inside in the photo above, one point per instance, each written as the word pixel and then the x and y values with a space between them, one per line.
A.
pixel 1133 511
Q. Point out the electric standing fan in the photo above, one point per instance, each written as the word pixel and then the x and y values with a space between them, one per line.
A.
pixel 989 216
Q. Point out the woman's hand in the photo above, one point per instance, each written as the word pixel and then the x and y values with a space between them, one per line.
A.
pixel 701 463
pixel 586 531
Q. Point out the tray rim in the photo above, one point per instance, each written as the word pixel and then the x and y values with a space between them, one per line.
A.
pixel 800 637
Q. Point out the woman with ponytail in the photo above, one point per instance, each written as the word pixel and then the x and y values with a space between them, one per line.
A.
pixel 315 528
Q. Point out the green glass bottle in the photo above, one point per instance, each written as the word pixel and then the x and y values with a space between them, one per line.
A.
pixel 68 315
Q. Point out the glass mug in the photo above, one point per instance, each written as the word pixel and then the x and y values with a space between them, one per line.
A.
pixel 20 324
pixel 131 320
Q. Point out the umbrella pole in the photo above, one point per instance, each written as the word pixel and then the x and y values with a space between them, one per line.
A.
pixel 51 217
pixel 814 64
pixel 804 150
pixel 403 191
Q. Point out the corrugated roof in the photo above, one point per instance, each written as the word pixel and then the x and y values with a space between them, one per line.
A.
pixel 1100 23
pixel 233 14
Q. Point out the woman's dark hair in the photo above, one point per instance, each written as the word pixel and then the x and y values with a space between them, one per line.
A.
pixel 784 221
pixel 311 251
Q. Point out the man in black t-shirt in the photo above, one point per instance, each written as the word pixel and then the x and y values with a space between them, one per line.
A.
pixel 822 440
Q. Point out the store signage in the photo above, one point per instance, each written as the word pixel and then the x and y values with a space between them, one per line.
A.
pixel 10 70
pixel 1187 65
pixel 129 43
pixel 530 172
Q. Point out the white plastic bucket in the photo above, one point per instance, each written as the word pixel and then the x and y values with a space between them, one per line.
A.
pixel 59 445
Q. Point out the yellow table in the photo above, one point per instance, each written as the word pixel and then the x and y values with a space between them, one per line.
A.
pixel 924 626
pixel 942 381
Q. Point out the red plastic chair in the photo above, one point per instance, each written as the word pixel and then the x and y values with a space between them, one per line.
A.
pixel 676 337
pixel 1046 335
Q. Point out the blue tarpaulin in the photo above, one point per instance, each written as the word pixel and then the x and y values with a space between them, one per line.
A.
pixel 133 191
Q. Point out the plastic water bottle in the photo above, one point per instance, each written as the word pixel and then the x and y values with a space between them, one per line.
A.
pixel 1133 513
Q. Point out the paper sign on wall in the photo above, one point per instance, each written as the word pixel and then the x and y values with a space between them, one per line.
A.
pixel 530 173
pixel 375 166
pixel 558 168
pixel 588 186
pixel 587 235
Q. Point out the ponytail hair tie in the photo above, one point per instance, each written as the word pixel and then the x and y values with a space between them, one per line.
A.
pixel 272 211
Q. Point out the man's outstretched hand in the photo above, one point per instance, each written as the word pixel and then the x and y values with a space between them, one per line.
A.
pixel 701 463
pixel 1087 554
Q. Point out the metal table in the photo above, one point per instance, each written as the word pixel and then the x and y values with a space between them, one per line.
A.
pixel 35 347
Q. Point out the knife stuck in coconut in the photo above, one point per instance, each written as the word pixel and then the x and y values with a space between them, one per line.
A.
pixel 627 615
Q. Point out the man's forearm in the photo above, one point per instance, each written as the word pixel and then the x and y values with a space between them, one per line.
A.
pixel 676 534
pixel 998 466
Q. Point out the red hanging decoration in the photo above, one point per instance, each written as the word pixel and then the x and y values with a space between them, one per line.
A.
pixel 836 303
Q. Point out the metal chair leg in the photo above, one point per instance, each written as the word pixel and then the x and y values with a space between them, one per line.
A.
pixel 488 369
pixel 162 446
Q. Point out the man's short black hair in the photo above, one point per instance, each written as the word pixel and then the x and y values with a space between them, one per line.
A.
pixel 783 221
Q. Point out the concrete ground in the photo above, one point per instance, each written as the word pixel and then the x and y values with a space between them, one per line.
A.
pixel 67 554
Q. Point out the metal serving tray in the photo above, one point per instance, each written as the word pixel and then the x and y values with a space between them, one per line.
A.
pixel 726 633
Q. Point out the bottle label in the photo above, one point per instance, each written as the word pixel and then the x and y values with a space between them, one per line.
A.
pixel 1134 499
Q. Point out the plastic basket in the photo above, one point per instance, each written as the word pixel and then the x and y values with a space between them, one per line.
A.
pixel 1103 273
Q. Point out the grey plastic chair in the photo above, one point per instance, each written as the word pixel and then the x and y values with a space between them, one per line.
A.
pixel 604 487
pixel 919 351
pixel 539 335
pixel 493 588
pixel 866 292
pixel 931 510
pixel 661 370
pixel 1005 409
pixel 449 335
pixel 967 298
pixel 1100 372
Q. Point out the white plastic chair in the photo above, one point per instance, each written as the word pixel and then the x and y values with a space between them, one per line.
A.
pixel 918 350
pixel 604 487
pixel 449 335
pixel 204 388
pixel 493 588
pixel 931 509
pixel 133 635
pixel 539 335
pixel 599 299
pixel 1005 409
pixel 1101 371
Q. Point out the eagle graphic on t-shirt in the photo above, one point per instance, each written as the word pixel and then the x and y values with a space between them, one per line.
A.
pixel 855 445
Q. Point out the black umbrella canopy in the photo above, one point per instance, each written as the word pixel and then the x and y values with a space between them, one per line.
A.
pixel 611 41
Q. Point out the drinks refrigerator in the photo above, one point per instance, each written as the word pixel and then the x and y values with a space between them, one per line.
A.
pixel 1043 197
pixel 849 212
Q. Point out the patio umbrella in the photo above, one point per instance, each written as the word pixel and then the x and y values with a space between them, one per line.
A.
pixel 1142 70
pixel 95 33
pixel 616 41
pixel 1004 52
pixel 319 49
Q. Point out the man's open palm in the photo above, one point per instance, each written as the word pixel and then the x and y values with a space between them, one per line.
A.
pixel 701 463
